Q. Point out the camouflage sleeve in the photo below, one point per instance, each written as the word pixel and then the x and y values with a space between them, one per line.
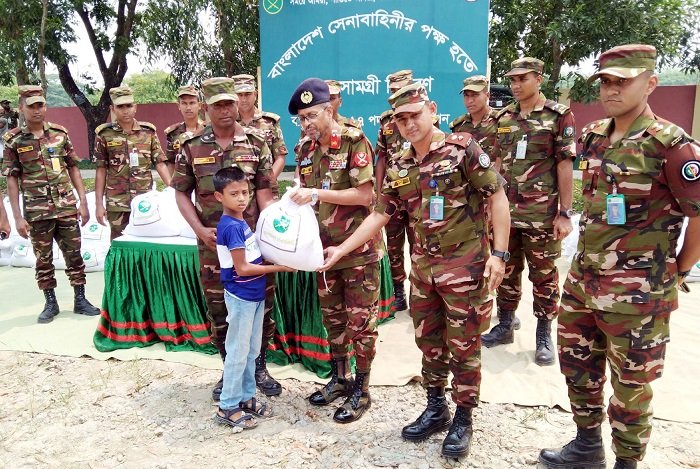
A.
pixel 361 167
pixel 380 147
pixel 263 175
pixel 564 141
pixel 682 172
pixel 71 158
pixel 157 155
pixel 100 153
pixel 170 153
pixel 388 201
pixel 486 180
pixel 183 179
pixel 279 148
pixel 10 161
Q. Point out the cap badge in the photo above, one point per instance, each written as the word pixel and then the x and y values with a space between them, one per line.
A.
pixel 306 97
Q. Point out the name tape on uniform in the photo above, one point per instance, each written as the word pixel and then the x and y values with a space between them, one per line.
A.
pixel 400 182
pixel 205 160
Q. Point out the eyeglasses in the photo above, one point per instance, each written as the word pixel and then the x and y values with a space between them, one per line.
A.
pixel 309 117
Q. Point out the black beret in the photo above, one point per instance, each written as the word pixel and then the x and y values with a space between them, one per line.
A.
pixel 310 92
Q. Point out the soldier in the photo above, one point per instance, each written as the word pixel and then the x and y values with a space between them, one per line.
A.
pixel 11 115
pixel 444 183
pixel 390 143
pixel 189 106
pixel 40 161
pixel 268 124
pixel 335 167
pixel 623 281
pixel 335 88
pixel 222 143
pixel 124 152
pixel 535 145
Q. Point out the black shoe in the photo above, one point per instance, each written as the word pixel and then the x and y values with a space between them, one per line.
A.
pixel 216 392
pixel 266 383
pixel 336 388
pixel 501 333
pixel 625 464
pixel 435 418
pixel 459 437
pixel 516 322
pixel 583 452
pixel 357 402
pixel 50 308
pixel 544 354
pixel 399 297
pixel 81 305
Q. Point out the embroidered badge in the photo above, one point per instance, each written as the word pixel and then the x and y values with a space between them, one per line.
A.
pixel 691 171
pixel 25 149
pixel 403 173
pixel 115 143
pixel 205 160
pixel 252 158
pixel 568 131
pixel 484 160
pixel 337 164
pixel 400 182
pixel 360 159
pixel 504 130
pixel 306 170
pixel 306 97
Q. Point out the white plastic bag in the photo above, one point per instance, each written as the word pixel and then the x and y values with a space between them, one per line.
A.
pixel 155 214
pixel 288 234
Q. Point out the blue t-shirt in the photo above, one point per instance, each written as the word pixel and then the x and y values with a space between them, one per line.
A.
pixel 232 233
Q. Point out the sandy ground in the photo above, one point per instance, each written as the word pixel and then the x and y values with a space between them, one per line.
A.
pixel 79 412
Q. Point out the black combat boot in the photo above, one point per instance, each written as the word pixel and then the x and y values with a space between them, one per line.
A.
pixel 263 380
pixel 583 452
pixel 435 418
pixel 625 464
pixel 50 308
pixel 339 385
pixel 501 333
pixel 399 297
pixel 357 402
pixel 544 354
pixel 81 305
pixel 459 437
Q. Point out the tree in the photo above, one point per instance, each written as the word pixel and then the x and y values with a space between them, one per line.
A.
pixel 152 87
pixel 565 32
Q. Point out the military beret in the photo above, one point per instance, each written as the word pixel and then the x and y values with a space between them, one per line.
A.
pixel 626 61
pixel 526 65
pixel 244 83
pixel 219 89
pixel 476 83
pixel 310 92
pixel 410 98
pixel 398 80
pixel 187 90
pixel 334 86
pixel 31 94
pixel 121 95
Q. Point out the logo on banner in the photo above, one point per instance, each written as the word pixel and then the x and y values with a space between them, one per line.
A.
pixel 272 7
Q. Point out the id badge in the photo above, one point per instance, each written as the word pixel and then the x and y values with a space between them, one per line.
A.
pixel 326 184
pixel 521 148
pixel 616 209
pixel 133 159
pixel 437 207
pixel 55 164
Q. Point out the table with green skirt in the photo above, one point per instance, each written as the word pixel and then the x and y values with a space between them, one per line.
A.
pixel 152 294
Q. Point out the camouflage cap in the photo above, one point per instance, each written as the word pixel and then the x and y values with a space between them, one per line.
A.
pixel 187 90
pixel 476 83
pixel 334 86
pixel 526 65
pixel 5 101
pixel 31 94
pixel 626 61
pixel 398 80
pixel 121 95
pixel 244 83
pixel 410 98
pixel 310 92
pixel 219 89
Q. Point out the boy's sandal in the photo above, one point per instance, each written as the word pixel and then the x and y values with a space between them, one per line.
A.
pixel 245 421
pixel 256 408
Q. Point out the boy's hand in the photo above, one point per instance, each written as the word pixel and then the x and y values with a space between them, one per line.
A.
pixel 333 255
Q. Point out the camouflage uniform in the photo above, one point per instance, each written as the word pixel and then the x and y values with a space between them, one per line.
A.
pixel 175 133
pixel 41 165
pixel 335 87
pixel 11 116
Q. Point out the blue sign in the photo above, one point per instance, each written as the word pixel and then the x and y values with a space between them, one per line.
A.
pixel 360 42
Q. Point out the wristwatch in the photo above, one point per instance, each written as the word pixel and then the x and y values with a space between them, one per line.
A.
pixel 314 196
pixel 568 213
pixel 505 255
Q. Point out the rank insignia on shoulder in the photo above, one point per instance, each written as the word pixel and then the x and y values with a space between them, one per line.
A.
pixel 691 170
pixel 25 149
pixel 400 182
pixel 484 160
pixel 204 160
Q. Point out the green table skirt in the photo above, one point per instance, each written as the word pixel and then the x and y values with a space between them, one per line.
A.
pixel 152 294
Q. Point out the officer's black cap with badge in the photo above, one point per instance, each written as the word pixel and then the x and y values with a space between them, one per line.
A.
pixel 309 93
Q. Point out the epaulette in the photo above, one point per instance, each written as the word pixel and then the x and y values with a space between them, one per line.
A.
pixel 353 133
pixel 148 125
pixel 300 144
pixel 462 139
pixel 171 128
pixel 57 127
pixel 11 134
pixel 667 133
pixel 353 123
pixel 106 125
pixel 457 121
pixel 503 110
pixel 257 134
pixel 596 127
pixel 186 138
pixel 271 115
pixel 559 108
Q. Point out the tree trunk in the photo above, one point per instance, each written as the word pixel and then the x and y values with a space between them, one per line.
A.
pixel 42 45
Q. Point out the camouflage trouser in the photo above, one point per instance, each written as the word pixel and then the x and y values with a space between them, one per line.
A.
pixel 396 232
pixel 449 314
pixel 210 278
pixel 635 347
pixel 67 235
pixel 540 250
pixel 349 308
pixel 117 223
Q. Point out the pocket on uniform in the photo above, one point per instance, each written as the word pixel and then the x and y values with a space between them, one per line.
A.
pixel 644 360
pixel 205 177
pixel 624 276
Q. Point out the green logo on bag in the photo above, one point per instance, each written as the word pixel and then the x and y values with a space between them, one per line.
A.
pixel 86 256
pixel 92 228
pixel 144 206
pixel 281 224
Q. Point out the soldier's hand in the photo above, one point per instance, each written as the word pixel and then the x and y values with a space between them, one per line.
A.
pixel 100 213
pixel 495 270
pixel 301 196
pixel 83 214
pixel 208 237
pixel 22 227
pixel 333 255
pixel 562 227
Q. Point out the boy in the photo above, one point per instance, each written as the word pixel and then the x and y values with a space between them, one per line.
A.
pixel 243 278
